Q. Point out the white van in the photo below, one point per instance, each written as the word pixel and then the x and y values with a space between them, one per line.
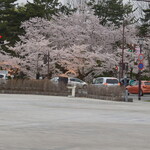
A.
pixel 106 81
pixel 3 76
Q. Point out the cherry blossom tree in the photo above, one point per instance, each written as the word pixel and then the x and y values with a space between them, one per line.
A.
pixel 8 62
pixel 77 42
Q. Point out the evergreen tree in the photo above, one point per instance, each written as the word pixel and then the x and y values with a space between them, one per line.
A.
pixel 11 15
pixel 111 11
pixel 46 9
pixel 144 29
pixel 9 20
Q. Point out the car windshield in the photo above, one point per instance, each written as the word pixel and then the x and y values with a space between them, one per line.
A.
pixel 63 80
pixel 134 83
pixel 112 81
pixel 76 80
pixel 147 83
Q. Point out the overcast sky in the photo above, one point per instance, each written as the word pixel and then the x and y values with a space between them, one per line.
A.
pixel 139 5
pixel 24 1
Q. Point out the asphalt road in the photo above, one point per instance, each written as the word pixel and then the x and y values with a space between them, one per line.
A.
pixel 61 123
pixel 145 97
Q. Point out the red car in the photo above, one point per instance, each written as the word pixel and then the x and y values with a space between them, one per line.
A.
pixel 134 87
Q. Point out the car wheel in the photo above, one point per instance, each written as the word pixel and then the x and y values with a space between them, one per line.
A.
pixel 84 86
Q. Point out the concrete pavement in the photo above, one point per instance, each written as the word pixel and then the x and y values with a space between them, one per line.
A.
pixel 145 97
pixel 33 122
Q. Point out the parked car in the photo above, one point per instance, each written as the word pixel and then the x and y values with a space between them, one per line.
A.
pixel 3 76
pixel 54 80
pixel 106 81
pixel 71 81
pixel 134 87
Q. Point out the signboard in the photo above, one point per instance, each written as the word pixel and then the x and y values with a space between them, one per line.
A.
pixel 141 57
pixel 140 66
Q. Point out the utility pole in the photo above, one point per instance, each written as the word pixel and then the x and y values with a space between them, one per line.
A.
pixel 37 66
pixel 123 43
pixel 139 92
pixel 48 56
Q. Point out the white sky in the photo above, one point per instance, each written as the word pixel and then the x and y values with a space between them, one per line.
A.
pixel 24 1
pixel 140 5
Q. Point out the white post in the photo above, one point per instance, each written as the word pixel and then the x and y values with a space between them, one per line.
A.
pixel 73 91
pixel 126 91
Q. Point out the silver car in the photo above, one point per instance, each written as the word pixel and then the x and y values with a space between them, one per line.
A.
pixel 106 81
pixel 71 81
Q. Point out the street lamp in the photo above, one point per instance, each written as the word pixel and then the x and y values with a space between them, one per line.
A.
pixel 140 41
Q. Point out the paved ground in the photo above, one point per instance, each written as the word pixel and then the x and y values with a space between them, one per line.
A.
pixel 146 97
pixel 60 123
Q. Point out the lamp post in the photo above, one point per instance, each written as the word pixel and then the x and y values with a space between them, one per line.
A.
pixel 139 92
